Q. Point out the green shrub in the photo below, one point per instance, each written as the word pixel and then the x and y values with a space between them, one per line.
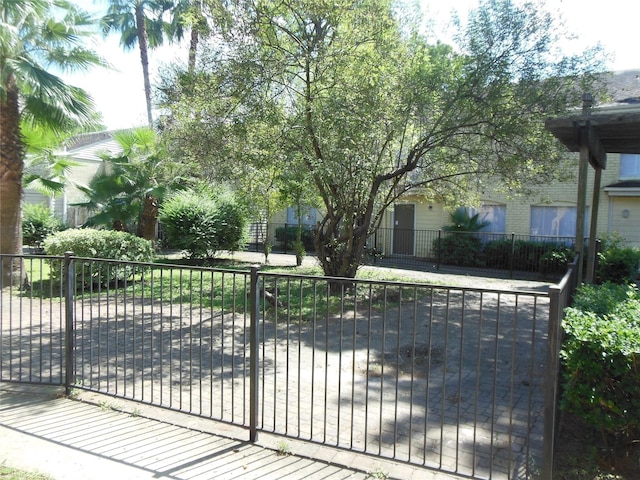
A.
pixel 555 258
pixel 460 249
pixel 287 237
pixel 600 299
pixel 38 223
pixel 528 255
pixel 601 359
pixel 498 253
pixel 617 263
pixel 203 223
pixel 99 244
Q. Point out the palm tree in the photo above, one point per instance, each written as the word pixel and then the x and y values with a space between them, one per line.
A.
pixel 128 191
pixel 36 36
pixel 44 170
pixel 139 22
pixel 463 221
pixel 199 16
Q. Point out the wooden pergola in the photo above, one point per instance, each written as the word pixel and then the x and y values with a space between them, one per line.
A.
pixel 593 136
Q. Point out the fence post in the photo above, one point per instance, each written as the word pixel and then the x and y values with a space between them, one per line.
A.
pixel 439 249
pixel 375 247
pixel 69 278
pixel 513 254
pixel 257 229
pixel 558 299
pixel 254 306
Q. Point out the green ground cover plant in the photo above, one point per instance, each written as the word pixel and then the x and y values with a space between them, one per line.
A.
pixel 9 473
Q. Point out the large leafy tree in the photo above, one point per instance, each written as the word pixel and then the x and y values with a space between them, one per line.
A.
pixel 139 22
pixel 36 39
pixel 373 110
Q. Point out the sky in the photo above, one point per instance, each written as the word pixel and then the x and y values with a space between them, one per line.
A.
pixel 119 93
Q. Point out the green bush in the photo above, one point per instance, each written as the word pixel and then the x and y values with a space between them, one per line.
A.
pixel 99 244
pixel 601 359
pixel 203 223
pixel 617 263
pixel 460 249
pixel 528 255
pixel 287 237
pixel 555 258
pixel 498 253
pixel 38 223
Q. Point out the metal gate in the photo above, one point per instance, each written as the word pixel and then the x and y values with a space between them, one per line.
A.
pixel 450 378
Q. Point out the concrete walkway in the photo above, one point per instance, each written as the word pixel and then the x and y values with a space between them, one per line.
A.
pixel 98 437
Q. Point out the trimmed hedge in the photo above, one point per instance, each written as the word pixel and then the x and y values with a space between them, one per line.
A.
pixel 287 237
pixel 99 244
pixel 601 359
pixel 468 250
pixel 459 249
pixel 619 265
pixel 202 223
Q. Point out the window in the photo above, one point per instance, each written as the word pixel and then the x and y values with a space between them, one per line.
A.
pixel 308 216
pixel 495 214
pixel 629 166
pixel 555 221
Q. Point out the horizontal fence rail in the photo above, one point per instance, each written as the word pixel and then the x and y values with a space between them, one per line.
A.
pixel 445 377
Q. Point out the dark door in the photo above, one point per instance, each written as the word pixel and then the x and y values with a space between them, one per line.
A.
pixel 403 221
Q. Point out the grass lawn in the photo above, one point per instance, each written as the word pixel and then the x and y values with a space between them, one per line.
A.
pixel 7 473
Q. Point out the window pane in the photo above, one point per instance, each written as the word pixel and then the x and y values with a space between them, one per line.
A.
pixel 496 214
pixel 556 221
pixel 629 166
pixel 308 216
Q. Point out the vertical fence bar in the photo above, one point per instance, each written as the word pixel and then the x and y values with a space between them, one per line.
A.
pixel 559 298
pixel 69 275
pixel 556 305
pixel 512 257
pixel 254 305
pixel 439 249
pixel 375 247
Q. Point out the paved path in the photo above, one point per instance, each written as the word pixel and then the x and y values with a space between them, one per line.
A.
pixel 91 437
pixel 42 431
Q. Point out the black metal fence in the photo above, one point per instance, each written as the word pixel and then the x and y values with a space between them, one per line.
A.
pixel 511 255
pixel 514 255
pixel 280 237
pixel 453 379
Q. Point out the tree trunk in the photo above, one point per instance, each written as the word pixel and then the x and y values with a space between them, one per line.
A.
pixel 193 46
pixel 11 168
pixel 340 250
pixel 119 226
pixel 148 218
pixel 144 58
